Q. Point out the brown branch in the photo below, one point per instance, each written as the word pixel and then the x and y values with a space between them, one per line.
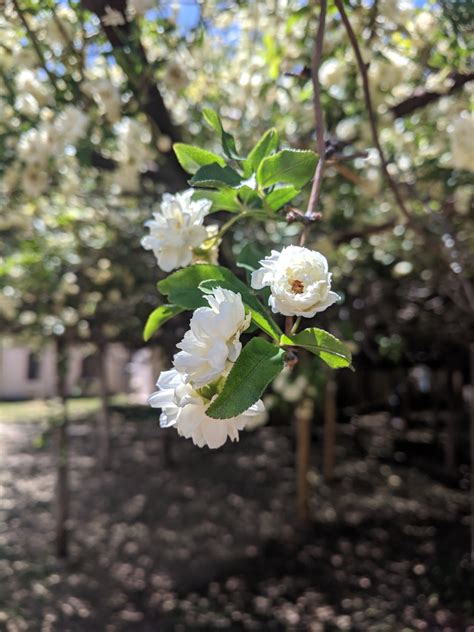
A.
pixel 145 91
pixel 315 194
pixel 342 238
pixel 422 98
pixel 311 210
pixel 370 110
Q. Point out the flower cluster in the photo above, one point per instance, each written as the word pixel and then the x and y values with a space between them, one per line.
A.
pixel 207 352
pixel 177 231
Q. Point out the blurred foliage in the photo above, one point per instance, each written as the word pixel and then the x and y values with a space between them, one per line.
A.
pixel 89 112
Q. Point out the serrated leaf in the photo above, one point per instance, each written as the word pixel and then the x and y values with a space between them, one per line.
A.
pixel 291 166
pixel 258 364
pixel 227 141
pixel 182 287
pixel 258 313
pixel 265 146
pixel 158 317
pixel 279 197
pixel 192 158
pixel 322 344
pixel 216 177
pixel 222 200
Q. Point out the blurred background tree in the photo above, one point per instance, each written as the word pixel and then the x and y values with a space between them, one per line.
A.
pixel 93 95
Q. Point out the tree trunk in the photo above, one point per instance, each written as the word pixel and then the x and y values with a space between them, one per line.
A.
pixel 330 412
pixel 104 416
pixel 454 412
pixel 62 462
pixel 471 433
pixel 303 418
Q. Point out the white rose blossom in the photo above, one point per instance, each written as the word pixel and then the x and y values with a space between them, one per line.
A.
pixel 183 408
pixel 461 135
pixel 212 342
pixel 299 280
pixel 177 229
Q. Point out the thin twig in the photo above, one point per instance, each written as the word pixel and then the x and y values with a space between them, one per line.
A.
pixel 370 110
pixel 319 119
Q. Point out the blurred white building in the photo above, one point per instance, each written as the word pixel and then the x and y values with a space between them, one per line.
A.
pixel 28 374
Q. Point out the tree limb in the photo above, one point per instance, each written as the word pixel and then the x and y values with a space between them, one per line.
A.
pixel 422 98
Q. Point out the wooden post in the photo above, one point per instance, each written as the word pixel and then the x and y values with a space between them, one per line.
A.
pixel 330 412
pixel 62 460
pixel 104 416
pixel 303 418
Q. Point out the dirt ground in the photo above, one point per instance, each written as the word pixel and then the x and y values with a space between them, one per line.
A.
pixel 212 543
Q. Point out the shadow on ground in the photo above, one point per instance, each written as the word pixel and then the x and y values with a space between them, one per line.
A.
pixel 213 542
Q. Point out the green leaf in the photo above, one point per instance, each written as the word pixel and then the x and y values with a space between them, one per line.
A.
pixel 279 197
pixel 258 364
pixel 250 257
pixel 159 316
pixel 192 158
pixel 265 146
pixel 182 287
pixel 323 344
pixel 291 166
pixel 216 177
pixel 251 302
pixel 223 200
pixel 227 141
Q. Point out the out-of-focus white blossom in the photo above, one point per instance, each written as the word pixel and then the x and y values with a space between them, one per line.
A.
pixel 139 7
pixel 27 81
pixel 332 72
pixel 27 105
pixel 107 97
pixel 177 229
pixel 112 17
pixel 461 137
pixel 36 145
pixel 71 124
pixel 183 408
pixel 346 129
pixel 34 180
pixel 299 280
pixel 212 342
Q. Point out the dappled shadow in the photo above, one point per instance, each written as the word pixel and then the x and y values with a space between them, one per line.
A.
pixel 213 542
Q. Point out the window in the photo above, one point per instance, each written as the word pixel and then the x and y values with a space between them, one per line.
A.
pixel 33 369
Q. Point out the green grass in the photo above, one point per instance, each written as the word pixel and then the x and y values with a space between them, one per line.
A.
pixel 40 410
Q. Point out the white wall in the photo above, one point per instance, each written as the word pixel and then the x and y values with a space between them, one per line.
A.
pixel 14 382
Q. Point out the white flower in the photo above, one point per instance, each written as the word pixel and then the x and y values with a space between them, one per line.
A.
pixel 112 17
pixel 462 148
pixel 139 7
pixel 71 124
pixel 299 280
pixel 27 104
pixel 212 342
pixel 331 72
pixel 35 146
pixel 177 229
pixel 185 409
pixel 27 82
pixel 347 129
pixel 34 180
pixel 107 97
